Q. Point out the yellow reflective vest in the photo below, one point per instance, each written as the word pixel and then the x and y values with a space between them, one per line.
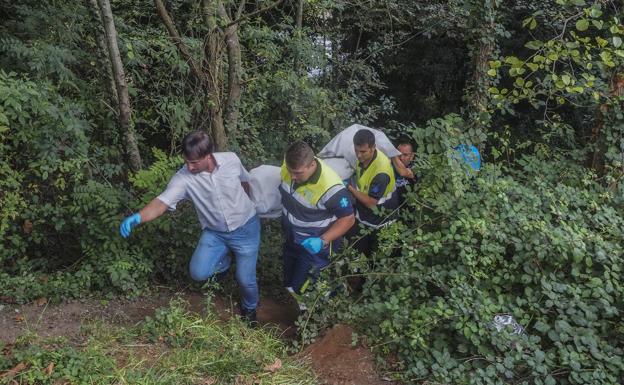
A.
pixel 379 165
pixel 304 206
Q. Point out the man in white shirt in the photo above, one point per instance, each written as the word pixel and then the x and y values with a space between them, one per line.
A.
pixel 217 184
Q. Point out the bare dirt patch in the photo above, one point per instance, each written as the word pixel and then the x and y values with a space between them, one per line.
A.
pixel 333 358
pixel 337 362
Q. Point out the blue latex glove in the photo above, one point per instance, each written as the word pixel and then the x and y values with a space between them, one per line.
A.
pixel 128 224
pixel 345 182
pixel 313 244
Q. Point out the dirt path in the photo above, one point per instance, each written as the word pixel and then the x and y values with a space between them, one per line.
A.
pixel 333 358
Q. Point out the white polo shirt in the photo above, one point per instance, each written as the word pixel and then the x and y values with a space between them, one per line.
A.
pixel 218 197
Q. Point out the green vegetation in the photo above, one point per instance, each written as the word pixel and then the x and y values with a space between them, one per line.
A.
pixel 537 234
pixel 173 347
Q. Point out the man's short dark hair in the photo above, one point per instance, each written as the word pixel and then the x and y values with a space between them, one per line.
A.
pixel 405 141
pixel 299 154
pixel 197 145
pixel 364 136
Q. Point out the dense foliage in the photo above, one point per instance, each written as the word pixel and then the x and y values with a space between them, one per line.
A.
pixel 541 242
pixel 537 234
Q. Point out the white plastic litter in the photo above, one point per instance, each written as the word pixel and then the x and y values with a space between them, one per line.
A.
pixel 503 321
pixel 264 185
pixel 341 145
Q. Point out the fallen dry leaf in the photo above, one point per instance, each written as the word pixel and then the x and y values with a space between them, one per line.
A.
pixel 49 369
pixel 209 381
pixel 41 301
pixel 275 366
pixel 6 299
pixel 19 318
pixel 7 350
pixel 13 372
pixel 242 380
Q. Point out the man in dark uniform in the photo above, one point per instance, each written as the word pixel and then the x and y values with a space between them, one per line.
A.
pixel 406 158
pixel 317 212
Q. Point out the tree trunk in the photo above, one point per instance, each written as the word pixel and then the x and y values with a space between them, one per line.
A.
pixel 212 64
pixel 299 19
pixel 485 20
pixel 125 125
pixel 208 73
pixel 222 100
pixel 298 32
pixel 234 73
pixel 102 50
pixel 177 40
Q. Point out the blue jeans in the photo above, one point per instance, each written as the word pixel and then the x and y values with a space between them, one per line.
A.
pixel 211 257
pixel 302 268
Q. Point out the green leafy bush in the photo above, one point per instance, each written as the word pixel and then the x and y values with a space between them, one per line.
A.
pixel 542 241
pixel 60 217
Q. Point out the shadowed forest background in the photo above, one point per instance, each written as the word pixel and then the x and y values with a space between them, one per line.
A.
pixel 96 95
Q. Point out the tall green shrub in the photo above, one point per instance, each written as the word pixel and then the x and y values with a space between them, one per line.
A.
pixel 542 241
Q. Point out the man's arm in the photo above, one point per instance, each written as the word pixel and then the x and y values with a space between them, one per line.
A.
pixel 152 210
pixel 338 229
pixel 363 198
pixel 401 169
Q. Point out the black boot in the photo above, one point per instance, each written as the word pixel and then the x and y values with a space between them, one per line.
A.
pixel 249 316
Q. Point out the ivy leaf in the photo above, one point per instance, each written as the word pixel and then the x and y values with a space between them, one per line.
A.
pixel 540 356
pixel 595 12
pixel 582 25
pixel 534 44
pixel 607 59
pixel 566 79
pixel 491 72
pixel 601 42
pixel 541 327
pixel 533 24
pixel 526 21
pixel 617 41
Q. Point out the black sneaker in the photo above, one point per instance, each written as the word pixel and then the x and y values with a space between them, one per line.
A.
pixel 249 316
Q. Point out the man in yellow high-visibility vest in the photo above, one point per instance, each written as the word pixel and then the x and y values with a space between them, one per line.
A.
pixel 374 186
pixel 317 212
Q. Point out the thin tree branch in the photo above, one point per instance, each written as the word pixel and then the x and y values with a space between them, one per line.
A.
pixel 174 35
pixel 241 9
pixel 254 13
